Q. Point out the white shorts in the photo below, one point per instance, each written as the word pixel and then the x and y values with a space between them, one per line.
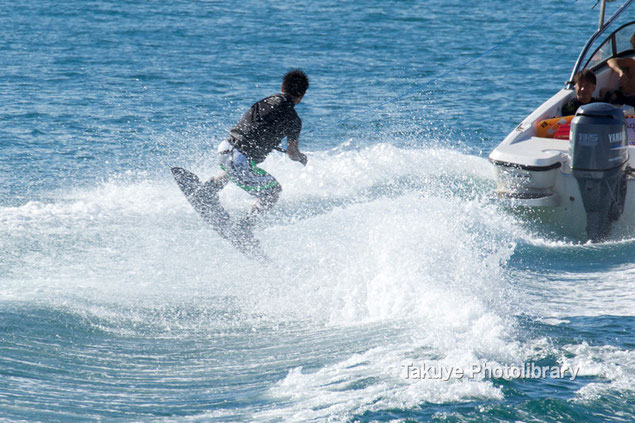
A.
pixel 244 172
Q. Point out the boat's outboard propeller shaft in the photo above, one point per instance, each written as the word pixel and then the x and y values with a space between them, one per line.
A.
pixel 598 151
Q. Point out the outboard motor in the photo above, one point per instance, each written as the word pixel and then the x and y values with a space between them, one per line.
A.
pixel 598 151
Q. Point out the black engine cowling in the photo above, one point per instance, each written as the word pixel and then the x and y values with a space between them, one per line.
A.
pixel 598 148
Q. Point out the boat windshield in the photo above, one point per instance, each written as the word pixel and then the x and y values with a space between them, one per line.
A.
pixel 605 47
pixel 616 44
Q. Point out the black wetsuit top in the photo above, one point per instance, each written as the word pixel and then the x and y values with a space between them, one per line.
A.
pixel 264 126
pixel 572 106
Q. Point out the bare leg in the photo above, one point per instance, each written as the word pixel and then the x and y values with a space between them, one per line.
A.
pixel 260 207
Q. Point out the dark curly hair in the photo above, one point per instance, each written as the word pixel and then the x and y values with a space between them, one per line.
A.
pixel 295 83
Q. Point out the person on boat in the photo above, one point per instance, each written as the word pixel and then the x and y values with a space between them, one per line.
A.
pixel 625 69
pixel 584 85
pixel 259 131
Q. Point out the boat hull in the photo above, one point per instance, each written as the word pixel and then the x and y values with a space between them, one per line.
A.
pixel 551 199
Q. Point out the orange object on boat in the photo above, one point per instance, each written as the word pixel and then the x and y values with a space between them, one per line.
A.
pixel 549 127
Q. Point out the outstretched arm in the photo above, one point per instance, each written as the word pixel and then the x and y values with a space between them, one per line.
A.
pixel 618 65
pixel 621 66
pixel 294 152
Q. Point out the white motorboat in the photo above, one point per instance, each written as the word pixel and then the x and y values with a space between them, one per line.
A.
pixel 580 180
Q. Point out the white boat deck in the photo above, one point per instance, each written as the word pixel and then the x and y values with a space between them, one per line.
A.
pixel 534 151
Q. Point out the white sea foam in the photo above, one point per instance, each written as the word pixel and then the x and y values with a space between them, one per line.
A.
pixel 131 230
pixel 381 235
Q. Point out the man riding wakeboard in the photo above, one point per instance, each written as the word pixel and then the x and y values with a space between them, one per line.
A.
pixel 259 131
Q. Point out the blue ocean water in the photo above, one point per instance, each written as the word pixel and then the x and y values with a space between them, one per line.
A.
pixel 118 304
